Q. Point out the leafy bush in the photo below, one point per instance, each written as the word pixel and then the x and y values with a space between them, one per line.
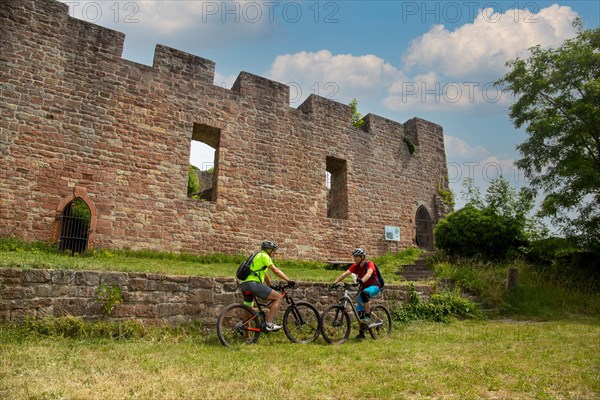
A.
pixel 109 297
pixel 443 307
pixel 471 232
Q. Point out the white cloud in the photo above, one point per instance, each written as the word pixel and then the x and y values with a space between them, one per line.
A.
pixel 454 70
pixel 458 148
pixel 479 50
pixel 337 76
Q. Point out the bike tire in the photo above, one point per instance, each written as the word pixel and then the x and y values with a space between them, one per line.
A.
pixel 335 324
pixel 238 324
pixel 380 313
pixel 302 323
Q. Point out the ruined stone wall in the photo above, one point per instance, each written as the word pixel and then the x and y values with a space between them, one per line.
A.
pixel 148 298
pixel 78 120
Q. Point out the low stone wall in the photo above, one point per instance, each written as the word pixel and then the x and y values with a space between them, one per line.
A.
pixel 148 298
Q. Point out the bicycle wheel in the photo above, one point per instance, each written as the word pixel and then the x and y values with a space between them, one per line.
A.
pixel 301 323
pixel 335 324
pixel 238 324
pixel 381 322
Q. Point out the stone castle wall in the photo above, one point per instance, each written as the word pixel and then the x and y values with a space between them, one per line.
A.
pixel 77 120
pixel 148 298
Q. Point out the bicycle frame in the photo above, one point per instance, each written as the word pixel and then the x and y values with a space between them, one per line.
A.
pixel 301 320
pixel 262 313
pixel 345 299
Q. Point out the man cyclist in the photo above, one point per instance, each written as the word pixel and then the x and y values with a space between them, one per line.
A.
pixel 368 281
pixel 258 282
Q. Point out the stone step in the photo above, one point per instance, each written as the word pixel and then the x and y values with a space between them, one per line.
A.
pixel 419 271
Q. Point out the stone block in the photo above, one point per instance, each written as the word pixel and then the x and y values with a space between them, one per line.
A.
pixel 35 276
pixel 200 282
pixel 87 278
pixel 200 296
pixel 62 277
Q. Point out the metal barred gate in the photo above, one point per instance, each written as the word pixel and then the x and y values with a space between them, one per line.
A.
pixel 74 227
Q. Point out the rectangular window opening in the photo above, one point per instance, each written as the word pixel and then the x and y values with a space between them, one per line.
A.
pixel 204 163
pixel 337 192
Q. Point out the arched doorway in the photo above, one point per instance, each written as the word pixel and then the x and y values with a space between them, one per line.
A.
pixel 424 229
pixel 74 226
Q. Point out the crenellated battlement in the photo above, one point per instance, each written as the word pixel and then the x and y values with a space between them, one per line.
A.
pixel 262 89
pixel 78 118
pixel 183 65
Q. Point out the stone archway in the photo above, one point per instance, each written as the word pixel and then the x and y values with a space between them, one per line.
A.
pixel 424 229
pixel 75 222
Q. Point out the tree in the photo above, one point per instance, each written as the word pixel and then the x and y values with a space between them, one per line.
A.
pixel 193 181
pixel 356 116
pixel 558 100
pixel 496 226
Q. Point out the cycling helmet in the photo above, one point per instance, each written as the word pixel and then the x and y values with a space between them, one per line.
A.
pixel 267 244
pixel 359 252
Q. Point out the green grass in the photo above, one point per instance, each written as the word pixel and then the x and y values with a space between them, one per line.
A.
pixel 463 360
pixel 539 295
pixel 18 254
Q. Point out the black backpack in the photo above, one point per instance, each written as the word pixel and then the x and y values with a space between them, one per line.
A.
pixel 379 276
pixel 244 271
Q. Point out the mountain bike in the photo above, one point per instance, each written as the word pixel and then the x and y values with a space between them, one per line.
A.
pixel 335 320
pixel 240 324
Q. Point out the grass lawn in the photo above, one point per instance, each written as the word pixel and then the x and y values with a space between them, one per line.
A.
pixel 172 264
pixel 557 356
pixel 463 360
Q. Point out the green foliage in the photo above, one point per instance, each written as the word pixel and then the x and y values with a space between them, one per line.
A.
pixel 565 263
pixel 471 193
pixel 470 232
pixel 482 279
pixel 443 307
pixel 80 209
pixel 109 297
pixel 213 258
pixel 557 95
pixel 446 194
pixel 393 260
pixel 412 147
pixel 11 244
pixel 193 181
pixel 541 292
pixel 356 116
pixel 496 226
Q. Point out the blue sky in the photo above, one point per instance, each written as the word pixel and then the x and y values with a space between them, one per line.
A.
pixel 400 59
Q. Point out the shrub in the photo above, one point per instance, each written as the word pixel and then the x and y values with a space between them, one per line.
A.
pixel 472 232
pixel 443 307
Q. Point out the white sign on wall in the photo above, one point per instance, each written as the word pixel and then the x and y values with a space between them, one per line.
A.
pixel 392 233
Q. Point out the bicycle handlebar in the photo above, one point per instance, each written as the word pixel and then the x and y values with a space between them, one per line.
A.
pixel 280 288
pixel 344 285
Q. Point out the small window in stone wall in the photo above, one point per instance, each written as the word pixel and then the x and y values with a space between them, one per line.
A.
pixel 336 184
pixel 204 163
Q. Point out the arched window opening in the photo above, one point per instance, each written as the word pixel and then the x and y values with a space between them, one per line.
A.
pixel 74 227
